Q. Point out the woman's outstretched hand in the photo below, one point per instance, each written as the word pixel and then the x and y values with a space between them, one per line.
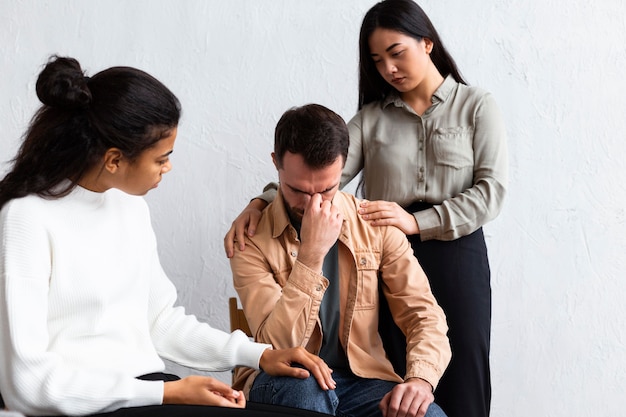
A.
pixel 278 362
pixel 246 222
pixel 201 390
pixel 387 213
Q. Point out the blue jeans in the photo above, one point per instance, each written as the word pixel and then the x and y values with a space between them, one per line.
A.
pixel 353 397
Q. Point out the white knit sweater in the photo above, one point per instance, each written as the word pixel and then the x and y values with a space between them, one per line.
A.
pixel 85 307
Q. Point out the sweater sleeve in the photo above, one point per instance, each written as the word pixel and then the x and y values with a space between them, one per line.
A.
pixel 34 380
pixel 181 338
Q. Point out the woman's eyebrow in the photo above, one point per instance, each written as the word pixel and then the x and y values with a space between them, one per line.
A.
pixel 389 48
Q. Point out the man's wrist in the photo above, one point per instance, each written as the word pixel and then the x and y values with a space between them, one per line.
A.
pixel 311 264
pixel 419 380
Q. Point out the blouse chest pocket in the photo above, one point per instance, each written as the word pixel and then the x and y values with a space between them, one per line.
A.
pixel 453 146
pixel 367 266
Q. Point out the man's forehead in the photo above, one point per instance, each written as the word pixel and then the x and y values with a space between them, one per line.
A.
pixel 299 177
pixel 297 161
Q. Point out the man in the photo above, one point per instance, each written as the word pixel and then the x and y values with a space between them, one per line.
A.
pixel 310 277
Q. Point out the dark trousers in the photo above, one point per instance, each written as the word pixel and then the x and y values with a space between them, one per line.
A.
pixel 459 275
pixel 251 410
pixel 170 410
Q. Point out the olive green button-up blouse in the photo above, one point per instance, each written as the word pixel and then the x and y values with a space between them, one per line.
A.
pixel 454 156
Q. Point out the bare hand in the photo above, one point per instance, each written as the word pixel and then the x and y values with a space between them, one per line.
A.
pixel 388 213
pixel 278 363
pixel 247 221
pixel 409 399
pixel 321 225
pixel 200 390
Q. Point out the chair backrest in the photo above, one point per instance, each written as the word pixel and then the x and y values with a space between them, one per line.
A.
pixel 237 321
pixel 237 318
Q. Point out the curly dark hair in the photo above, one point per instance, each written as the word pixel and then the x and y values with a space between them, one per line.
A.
pixel 81 117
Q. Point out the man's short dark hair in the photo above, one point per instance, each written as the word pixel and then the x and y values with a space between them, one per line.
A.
pixel 317 133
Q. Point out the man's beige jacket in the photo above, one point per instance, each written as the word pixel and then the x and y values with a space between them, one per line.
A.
pixel 281 296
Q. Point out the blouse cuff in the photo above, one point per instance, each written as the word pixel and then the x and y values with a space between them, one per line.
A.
pixel 429 223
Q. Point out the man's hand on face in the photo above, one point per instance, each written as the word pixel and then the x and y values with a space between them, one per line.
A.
pixel 321 225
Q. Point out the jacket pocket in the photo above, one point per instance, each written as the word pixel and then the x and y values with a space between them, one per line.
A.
pixel 367 265
pixel 453 146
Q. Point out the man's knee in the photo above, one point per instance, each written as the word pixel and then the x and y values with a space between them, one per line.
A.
pixel 435 411
pixel 293 392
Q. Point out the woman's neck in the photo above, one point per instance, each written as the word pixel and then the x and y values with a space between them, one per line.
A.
pixel 94 180
pixel 420 98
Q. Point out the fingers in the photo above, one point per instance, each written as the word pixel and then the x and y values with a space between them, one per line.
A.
pixel 422 409
pixel 235 234
pixel 384 404
pixel 221 394
pixel 238 401
pixel 391 402
pixel 323 376
pixel 245 224
pixel 241 400
pixel 240 232
pixel 199 390
pixel 321 226
pixel 248 224
pixel 386 213
pixel 294 372
pixel 278 362
pixel 320 206
pixel 221 388
pixel 407 399
pixel 229 242
pixel 377 209
pixel 320 370
pixel 314 202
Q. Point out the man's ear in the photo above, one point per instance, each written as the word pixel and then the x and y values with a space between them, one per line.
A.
pixel 113 158
pixel 275 161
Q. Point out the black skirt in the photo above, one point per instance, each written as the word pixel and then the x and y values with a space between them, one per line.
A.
pixel 460 278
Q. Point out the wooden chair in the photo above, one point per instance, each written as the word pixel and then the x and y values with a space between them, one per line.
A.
pixel 237 318
pixel 237 321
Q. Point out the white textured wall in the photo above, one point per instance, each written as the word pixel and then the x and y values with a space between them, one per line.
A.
pixel 555 67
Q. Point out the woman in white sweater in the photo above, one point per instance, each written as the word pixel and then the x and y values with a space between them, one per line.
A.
pixel 86 311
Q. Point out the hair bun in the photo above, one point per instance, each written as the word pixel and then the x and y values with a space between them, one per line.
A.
pixel 63 84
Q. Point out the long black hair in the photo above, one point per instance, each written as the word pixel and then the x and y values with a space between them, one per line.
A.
pixel 82 117
pixel 407 17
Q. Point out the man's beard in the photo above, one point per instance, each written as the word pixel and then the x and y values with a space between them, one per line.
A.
pixel 295 215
